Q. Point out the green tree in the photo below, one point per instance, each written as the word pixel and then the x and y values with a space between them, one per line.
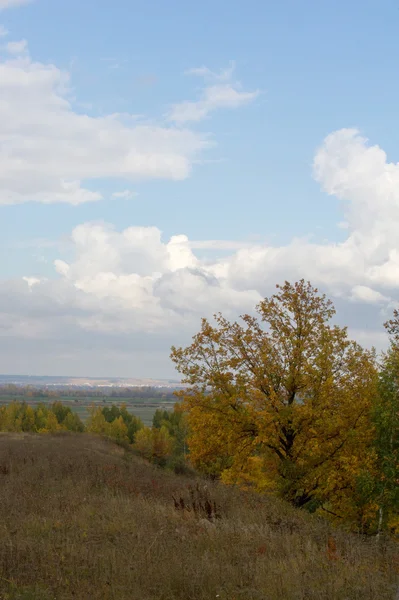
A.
pixel 72 422
pixel 133 426
pixel 111 413
pixel 160 417
pixel 60 411
pixel 28 419
pixel 384 484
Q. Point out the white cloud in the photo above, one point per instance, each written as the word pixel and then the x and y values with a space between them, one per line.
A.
pixel 207 74
pixel 31 280
pixel 219 245
pixel 222 93
pixel 12 3
pixel 126 194
pixel 363 293
pixel 360 175
pixel 3 31
pixel 118 283
pixel 17 47
pixel 51 154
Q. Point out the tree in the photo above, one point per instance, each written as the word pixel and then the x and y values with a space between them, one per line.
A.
pixel 117 430
pixel 28 419
pixel 40 417
pixel 60 411
pixel 144 442
pixel 133 423
pixel 52 424
pixel 386 422
pixel 111 413
pixel 159 418
pixel 97 423
pixel 72 422
pixel 154 444
pixel 162 445
pixel 281 401
pixel 382 482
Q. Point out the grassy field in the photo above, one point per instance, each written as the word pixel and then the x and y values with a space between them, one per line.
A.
pixel 143 408
pixel 83 518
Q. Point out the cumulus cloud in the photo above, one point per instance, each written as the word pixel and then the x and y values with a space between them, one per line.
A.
pixel 359 174
pixel 50 153
pixel 134 285
pixel 160 282
pixel 119 282
pixel 221 91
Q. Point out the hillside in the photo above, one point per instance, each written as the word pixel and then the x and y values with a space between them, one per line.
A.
pixel 83 518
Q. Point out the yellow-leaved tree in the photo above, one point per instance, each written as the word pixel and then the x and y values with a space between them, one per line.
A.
pixel 154 444
pixel 280 402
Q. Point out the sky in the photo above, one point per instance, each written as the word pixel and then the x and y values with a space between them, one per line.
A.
pixel 164 161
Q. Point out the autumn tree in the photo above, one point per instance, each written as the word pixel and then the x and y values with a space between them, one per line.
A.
pixel 21 417
pixel 144 443
pixel 280 401
pixel 114 422
pixel 117 430
pixel 73 422
pixel 52 424
pixel 133 423
pixel 154 444
pixel 97 422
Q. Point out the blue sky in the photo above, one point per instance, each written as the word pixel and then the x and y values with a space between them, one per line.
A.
pixel 243 179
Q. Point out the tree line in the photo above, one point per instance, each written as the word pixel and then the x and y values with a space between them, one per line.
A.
pixel 164 444
pixel 139 393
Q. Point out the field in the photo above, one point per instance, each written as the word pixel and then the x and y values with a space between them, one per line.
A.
pixel 83 518
pixel 140 407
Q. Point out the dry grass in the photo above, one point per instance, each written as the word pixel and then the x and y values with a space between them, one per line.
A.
pixel 82 518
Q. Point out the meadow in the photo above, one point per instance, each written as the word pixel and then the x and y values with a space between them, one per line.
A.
pixel 84 518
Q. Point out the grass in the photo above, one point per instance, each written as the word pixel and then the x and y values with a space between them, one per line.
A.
pixel 82 518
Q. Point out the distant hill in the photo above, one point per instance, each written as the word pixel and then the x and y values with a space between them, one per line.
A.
pixel 84 382
pixel 84 518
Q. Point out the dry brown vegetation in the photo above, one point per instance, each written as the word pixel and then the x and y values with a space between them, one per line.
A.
pixel 83 518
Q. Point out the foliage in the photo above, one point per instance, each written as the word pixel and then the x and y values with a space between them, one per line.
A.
pixel 20 417
pixel 133 424
pixel 155 444
pixel 380 486
pixel 177 425
pixel 281 402
pixel 114 422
